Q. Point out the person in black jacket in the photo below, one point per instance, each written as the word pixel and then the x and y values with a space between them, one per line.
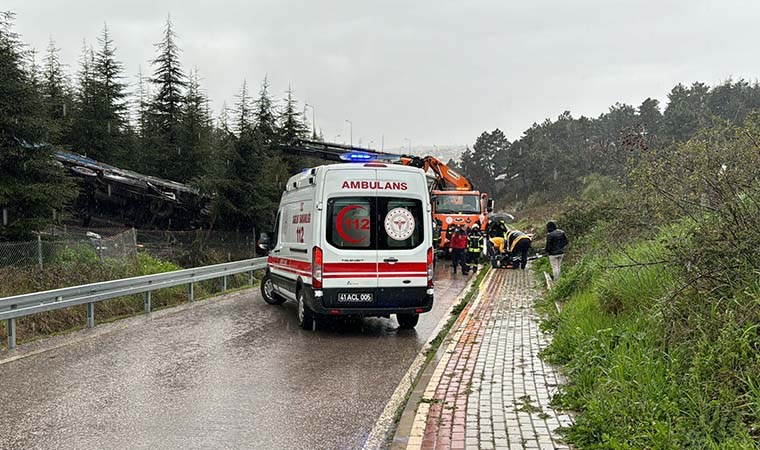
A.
pixel 556 240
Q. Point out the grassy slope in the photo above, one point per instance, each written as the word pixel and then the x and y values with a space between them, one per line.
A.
pixel 633 387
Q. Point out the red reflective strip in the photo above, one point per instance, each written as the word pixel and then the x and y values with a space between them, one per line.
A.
pixel 351 267
pixel 364 267
pixel 377 275
pixel 402 267
pixel 291 265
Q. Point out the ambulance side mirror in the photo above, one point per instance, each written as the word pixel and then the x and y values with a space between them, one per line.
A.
pixel 489 205
pixel 264 241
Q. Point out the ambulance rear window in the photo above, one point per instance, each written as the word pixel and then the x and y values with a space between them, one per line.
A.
pixel 349 224
pixel 374 223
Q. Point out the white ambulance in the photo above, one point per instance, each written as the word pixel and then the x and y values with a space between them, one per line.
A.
pixel 353 239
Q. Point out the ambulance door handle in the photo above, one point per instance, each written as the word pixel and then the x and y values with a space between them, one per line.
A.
pixel 276 251
pixel 391 260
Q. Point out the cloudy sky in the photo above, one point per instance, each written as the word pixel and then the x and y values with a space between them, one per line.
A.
pixel 435 72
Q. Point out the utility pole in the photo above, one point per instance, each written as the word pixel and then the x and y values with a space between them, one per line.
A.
pixel 313 119
pixel 351 131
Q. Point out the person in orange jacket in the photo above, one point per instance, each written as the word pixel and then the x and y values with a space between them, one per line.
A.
pixel 458 247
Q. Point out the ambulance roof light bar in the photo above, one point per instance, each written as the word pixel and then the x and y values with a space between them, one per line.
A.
pixel 357 157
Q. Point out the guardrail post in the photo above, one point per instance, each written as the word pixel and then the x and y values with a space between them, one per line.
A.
pixel 190 292
pixel 250 278
pixel 224 283
pixel 12 332
pixel 147 302
pixel 90 315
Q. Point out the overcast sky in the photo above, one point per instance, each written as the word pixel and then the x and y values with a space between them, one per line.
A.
pixel 436 72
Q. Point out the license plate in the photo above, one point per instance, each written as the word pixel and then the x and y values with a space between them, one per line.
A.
pixel 355 297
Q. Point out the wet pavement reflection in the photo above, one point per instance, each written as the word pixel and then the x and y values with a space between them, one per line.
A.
pixel 229 374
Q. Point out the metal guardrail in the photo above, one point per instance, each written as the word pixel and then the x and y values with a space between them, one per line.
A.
pixel 11 308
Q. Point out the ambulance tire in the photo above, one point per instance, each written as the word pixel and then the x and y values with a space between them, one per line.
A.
pixel 307 320
pixel 267 291
pixel 407 321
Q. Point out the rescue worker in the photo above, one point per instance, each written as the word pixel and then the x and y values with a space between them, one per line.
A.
pixel 518 242
pixel 436 235
pixel 496 248
pixel 457 247
pixel 496 229
pixel 474 247
pixel 556 240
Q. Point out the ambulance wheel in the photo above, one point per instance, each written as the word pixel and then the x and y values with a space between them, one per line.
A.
pixel 407 321
pixel 306 318
pixel 267 291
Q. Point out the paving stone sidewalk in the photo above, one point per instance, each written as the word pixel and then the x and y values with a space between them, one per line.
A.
pixel 490 390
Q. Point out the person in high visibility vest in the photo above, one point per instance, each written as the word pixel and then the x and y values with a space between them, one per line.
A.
pixel 496 248
pixel 475 246
pixel 517 242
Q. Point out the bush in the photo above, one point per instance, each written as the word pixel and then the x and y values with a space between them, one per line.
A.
pixel 649 365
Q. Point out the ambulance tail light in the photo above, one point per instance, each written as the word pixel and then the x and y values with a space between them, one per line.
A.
pixel 430 269
pixel 317 265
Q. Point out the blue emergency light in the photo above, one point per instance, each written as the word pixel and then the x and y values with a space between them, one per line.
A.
pixel 357 157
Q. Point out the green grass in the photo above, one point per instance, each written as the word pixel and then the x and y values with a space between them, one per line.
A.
pixel 634 381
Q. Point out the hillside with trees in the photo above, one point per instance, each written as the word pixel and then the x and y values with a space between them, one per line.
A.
pixel 554 158
pixel 655 317
pixel 162 127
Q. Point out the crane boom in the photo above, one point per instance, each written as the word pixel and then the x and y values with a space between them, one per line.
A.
pixel 446 177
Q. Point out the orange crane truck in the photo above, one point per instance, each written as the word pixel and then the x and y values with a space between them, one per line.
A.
pixel 455 202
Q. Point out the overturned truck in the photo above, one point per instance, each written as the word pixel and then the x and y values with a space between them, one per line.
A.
pixel 111 195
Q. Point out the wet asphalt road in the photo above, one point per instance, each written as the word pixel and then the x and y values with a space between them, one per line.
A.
pixel 229 374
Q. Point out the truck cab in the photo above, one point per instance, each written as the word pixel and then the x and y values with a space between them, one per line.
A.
pixel 452 209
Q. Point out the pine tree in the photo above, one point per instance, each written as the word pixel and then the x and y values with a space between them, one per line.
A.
pixel 142 103
pixel 265 115
pixel 56 94
pixel 111 91
pixel 33 190
pixel 162 143
pixel 291 122
pixel 223 121
pixel 243 111
pixel 196 132
pixel 84 132
pixel 99 126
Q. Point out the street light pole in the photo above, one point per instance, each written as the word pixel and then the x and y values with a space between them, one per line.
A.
pixel 336 138
pixel 351 125
pixel 313 120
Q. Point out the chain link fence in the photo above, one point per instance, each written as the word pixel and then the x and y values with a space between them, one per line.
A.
pixel 185 248
pixel 62 246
